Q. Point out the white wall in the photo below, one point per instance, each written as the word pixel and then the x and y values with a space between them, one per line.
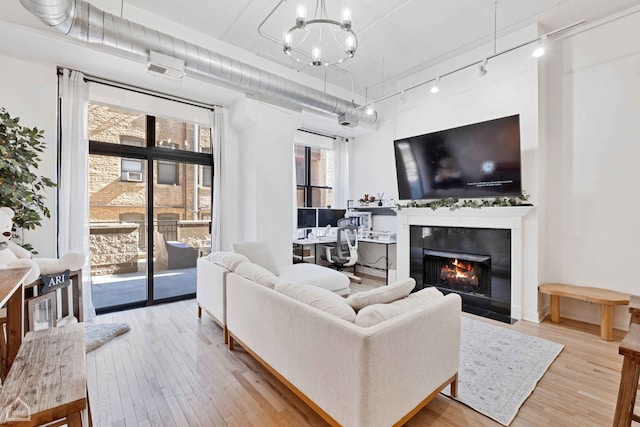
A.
pixel 29 91
pixel 593 110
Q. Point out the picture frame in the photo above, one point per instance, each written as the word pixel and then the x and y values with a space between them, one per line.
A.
pixel 43 312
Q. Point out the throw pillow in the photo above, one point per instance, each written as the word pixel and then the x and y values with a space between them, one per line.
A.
pixel 228 260
pixel 259 253
pixel 377 313
pixel 256 273
pixel 382 294
pixel 319 298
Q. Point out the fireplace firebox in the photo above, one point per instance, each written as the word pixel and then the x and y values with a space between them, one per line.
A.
pixel 458 271
pixel 473 262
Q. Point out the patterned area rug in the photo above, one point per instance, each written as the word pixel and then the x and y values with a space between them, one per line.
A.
pixel 96 334
pixel 499 368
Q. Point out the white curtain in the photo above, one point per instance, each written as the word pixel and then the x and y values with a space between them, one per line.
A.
pixel 217 129
pixel 340 172
pixel 73 233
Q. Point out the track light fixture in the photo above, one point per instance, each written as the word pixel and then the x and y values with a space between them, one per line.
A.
pixel 370 109
pixel 435 87
pixel 482 70
pixel 540 48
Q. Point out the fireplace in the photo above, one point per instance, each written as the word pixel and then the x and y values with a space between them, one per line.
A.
pixel 473 262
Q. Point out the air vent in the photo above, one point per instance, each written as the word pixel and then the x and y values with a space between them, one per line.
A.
pixel 166 66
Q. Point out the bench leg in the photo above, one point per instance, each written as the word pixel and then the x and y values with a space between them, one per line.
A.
pixel 606 322
pixel 555 308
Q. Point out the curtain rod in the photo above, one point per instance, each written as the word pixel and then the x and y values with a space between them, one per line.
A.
pixel 137 89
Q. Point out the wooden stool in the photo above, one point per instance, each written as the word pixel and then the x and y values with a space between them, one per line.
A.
pixel 630 349
pixel 605 297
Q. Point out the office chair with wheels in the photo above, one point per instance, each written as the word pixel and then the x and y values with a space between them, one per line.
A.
pixel 345 252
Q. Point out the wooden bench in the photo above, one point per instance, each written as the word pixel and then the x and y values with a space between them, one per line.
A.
pixel 48 379
pixel 606 298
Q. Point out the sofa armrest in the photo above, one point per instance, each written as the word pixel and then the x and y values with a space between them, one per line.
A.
pixel 211 289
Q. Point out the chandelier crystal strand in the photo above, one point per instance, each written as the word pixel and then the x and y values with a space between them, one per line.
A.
pixel 299 43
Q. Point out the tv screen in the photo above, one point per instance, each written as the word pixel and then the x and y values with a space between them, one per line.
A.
pixel 477 160
pixel 330 217
pixel 307 217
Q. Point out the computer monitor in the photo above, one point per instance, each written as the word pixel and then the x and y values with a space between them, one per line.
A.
pixel 307 217
pixel 330 217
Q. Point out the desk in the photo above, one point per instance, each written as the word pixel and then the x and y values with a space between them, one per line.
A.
pixel 12 294
pixel 324 241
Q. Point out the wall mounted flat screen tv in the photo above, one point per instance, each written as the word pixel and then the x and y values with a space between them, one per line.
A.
pixel 477 160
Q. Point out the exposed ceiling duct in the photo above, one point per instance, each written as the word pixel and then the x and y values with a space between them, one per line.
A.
pixel 87 23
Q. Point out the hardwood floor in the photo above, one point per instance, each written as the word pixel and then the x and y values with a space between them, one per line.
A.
pixel 173 369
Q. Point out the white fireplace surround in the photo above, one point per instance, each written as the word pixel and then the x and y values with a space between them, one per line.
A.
pixel 491 217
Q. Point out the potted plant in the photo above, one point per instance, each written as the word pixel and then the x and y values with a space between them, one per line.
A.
pixel 21 188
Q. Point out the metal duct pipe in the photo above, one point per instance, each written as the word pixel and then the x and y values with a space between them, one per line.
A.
pixel 87 23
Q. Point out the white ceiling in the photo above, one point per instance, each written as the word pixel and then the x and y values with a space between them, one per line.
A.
pixel 396 37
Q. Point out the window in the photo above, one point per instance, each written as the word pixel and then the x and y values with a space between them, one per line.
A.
pixel 207 176
pixel 168 172
pixel 314 176
pixel 132 170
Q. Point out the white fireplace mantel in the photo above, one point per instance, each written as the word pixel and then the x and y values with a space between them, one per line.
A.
pixel 510 217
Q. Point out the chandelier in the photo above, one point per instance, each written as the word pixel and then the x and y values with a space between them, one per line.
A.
pixel 320 40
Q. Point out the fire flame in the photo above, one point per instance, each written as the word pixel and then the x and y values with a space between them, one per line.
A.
pixel 459 272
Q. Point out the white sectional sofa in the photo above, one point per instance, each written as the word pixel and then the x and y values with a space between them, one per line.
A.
pixel 355 376
pixel 212 271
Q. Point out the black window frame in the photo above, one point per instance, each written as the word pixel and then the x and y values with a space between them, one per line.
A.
pixel 307 187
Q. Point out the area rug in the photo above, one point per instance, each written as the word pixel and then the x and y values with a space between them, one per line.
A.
pixel 97 334
pixel 499 368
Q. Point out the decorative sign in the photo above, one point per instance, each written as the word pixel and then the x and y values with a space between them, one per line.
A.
pixel 55 281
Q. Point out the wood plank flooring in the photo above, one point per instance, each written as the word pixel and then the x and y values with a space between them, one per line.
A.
pixel 172 369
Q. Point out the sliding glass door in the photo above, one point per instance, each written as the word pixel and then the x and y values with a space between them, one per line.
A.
pixel 150 206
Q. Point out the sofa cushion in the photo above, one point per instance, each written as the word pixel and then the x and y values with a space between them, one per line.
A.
pixel 256 273
pixel 316 275
pixel 382 294
pixel 376 313
pixel 228 260
pixel 319 298
pixel 259 253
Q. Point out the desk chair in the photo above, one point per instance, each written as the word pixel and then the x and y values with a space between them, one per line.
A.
pixel 345 252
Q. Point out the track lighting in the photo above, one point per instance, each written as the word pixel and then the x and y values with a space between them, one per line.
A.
pixel 435 87
pixel 539 50
pixel 482 70
pixel 370 110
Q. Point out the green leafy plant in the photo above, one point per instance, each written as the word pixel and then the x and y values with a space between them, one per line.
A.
pixel 21 188
pixel 454 204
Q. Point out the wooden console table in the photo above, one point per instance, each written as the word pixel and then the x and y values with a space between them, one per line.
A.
pixel 605 297
pixel 12 294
